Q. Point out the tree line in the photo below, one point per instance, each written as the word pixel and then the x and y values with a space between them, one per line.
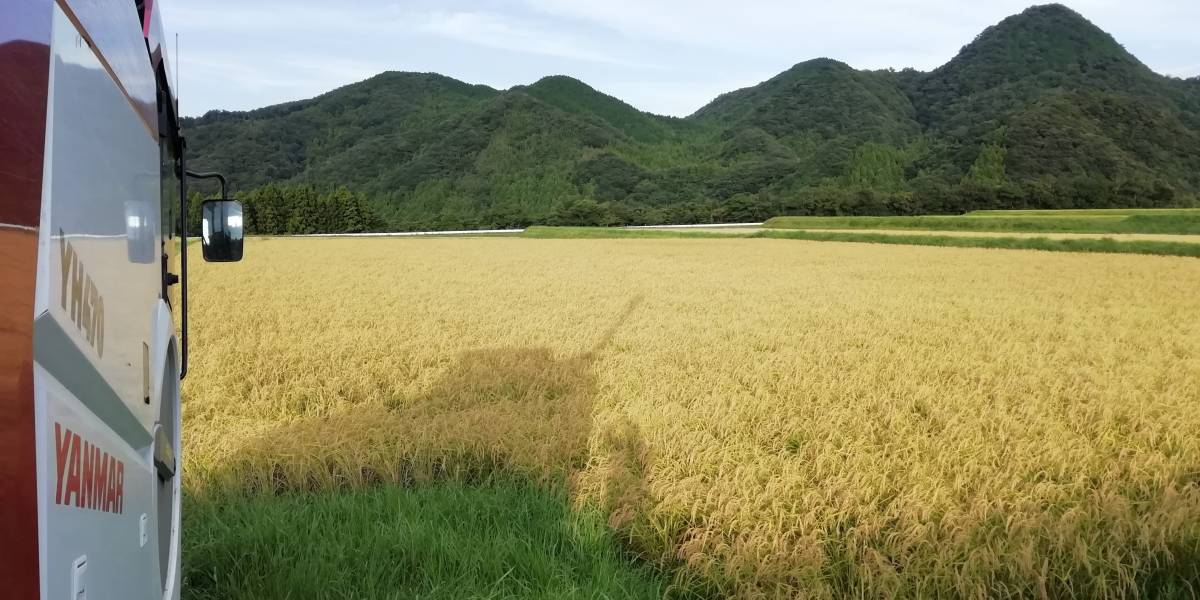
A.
pixel 927 196
pixel 297 209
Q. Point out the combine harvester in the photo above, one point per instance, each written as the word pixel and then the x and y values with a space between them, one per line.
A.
pixel 92 195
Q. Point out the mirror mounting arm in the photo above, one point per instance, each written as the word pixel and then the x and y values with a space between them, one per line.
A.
pixel 212 175
pixel 183 277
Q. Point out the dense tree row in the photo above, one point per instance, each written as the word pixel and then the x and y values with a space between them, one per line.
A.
pixel 293 209
pixel 923 197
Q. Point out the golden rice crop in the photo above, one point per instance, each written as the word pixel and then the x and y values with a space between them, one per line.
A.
pixel 775 418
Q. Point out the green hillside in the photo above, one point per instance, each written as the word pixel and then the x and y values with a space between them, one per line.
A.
pixel 1063 99
pixel 282 142
pixel 820 98
pixel 1041 111
pixel 1044 49
pixel 579 99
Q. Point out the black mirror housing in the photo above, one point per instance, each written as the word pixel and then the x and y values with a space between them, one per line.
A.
pixel 221 230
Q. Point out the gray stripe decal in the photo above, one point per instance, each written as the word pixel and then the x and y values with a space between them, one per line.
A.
pixel 55 352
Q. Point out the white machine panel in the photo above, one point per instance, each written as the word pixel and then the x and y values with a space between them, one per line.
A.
pixel 99 270
pixel 98 300
pixel 95 493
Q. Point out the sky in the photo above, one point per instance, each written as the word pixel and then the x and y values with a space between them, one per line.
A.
pixel 664 56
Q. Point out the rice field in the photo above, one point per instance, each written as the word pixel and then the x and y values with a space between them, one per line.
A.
pixel 756 418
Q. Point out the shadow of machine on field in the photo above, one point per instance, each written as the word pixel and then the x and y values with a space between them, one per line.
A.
pixel 497 443
pixel 505 412
pixel 518 410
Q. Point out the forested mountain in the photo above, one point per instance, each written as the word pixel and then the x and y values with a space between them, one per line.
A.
pixel 1061 98
pixel 1042 110
pixel 822 99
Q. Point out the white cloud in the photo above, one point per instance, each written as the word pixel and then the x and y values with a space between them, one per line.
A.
pixel 665 56
pixel 772 26
pixel 269 80
pixel 266 19
pixel 506 33
pixel 922 34
pixel 680 98
pixel 1184 72
pixel 497 31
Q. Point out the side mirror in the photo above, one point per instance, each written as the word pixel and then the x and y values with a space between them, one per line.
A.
pixel 221 230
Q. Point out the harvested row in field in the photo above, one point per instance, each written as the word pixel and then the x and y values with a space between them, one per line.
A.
pixel 773 418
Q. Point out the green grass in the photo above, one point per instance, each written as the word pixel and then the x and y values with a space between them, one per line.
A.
pixel 1085 212
pixel 1108 245
pixel 448 540
pixel 1187 223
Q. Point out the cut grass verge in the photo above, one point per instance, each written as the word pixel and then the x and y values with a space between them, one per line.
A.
pixel 1104 245
pixel 449 540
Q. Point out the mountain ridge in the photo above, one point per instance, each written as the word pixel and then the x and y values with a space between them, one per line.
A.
pixel 1043 109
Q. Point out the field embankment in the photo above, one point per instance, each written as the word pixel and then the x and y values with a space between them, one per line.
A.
pixel 759 418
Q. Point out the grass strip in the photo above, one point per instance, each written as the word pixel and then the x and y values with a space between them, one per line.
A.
pixel 449 540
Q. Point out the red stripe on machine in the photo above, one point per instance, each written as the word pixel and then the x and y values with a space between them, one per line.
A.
pixel 147 16
pixel 24 84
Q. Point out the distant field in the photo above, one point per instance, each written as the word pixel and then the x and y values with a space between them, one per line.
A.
pixel 1118 237
pixel 1182 223
pixel 1156 244
pixel 1052 242
pixel 751 418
